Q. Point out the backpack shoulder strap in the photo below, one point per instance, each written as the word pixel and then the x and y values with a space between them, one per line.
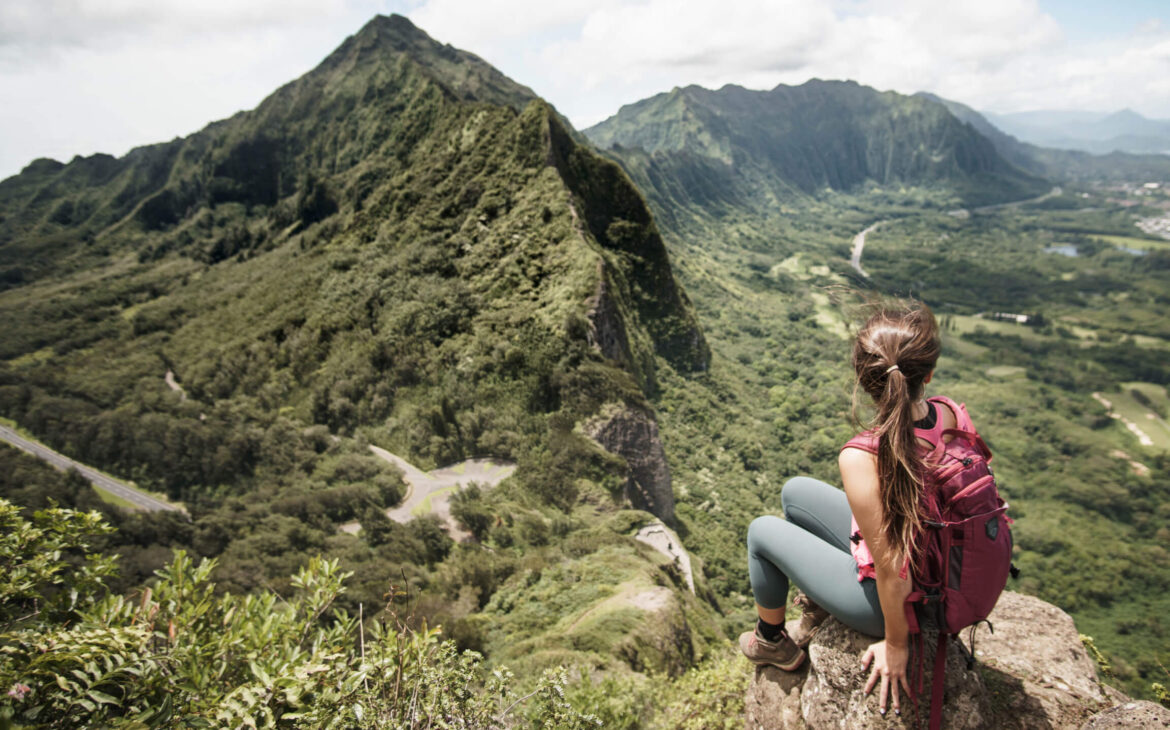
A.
pixel 963 423
pixel 962 418
pixel 866 441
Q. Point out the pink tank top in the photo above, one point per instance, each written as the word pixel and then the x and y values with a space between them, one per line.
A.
pixel 867 442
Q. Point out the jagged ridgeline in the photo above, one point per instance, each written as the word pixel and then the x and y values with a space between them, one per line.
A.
pixel 403 233
pixel 403 248
pixel 735 147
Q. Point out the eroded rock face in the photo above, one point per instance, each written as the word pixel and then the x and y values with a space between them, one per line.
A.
pixel 1032 672
pixel 1128 715
pixel 632 434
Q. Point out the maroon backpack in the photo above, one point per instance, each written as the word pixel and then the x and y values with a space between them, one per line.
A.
pixel 964 553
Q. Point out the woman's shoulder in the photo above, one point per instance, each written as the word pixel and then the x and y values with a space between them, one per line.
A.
pixel 865 441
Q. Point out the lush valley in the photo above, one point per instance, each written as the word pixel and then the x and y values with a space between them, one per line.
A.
pixel 776 297
pixel 407 250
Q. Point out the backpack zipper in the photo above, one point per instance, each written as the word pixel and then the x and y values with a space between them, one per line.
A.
pixel 977 484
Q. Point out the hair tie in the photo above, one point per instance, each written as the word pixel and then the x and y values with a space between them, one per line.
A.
pixel 891 369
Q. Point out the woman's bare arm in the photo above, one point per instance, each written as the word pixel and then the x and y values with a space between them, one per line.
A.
pixel 859 475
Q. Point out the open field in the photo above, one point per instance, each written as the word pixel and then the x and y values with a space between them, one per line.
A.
pixel 1153 425
pixel 966 324
pixel 1006 371
pixel 1139 244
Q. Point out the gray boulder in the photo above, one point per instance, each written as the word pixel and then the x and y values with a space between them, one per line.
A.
pixel 1032 672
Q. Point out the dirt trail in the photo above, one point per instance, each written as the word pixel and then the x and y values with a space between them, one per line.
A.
pixel 1142 437
pixel 174 384
pixel 662 538
pixel 437 487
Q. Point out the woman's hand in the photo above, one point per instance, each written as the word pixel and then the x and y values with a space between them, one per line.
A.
pixel 889 662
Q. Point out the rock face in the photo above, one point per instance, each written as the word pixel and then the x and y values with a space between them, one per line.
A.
pixel 1032 672
pixel 631 433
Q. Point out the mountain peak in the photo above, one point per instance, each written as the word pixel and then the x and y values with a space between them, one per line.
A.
pixel 397 33
pixel 386 38
pixel 1125 115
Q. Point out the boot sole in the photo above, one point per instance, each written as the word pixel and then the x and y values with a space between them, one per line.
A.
pixel 791 666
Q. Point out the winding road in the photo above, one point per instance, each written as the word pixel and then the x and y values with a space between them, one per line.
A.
pixel 437 486
pixel 859 246
pixel 119 489
pixel 859 239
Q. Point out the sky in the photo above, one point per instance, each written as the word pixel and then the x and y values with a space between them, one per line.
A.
pixel 85 76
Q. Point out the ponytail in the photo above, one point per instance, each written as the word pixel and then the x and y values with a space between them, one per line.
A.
pixel 894 353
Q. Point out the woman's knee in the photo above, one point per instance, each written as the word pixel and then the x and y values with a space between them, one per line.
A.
pixel 799 490
pixel 761 527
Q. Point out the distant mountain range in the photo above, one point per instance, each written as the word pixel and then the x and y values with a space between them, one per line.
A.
pixel 1096 132
pixel 1060 164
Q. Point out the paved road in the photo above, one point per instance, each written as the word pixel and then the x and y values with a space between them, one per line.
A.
pixel 99 480
pixel 421 484
pixel 859 239
pixel 989 208
pixel 859 246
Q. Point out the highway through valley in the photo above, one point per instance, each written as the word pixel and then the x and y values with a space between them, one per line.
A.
pixel 105 483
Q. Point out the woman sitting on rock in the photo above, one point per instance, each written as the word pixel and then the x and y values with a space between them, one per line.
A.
pixel 825 543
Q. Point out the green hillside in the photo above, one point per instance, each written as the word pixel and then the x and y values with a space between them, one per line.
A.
pixel 735 147
pixel 405 251
pixel 402 248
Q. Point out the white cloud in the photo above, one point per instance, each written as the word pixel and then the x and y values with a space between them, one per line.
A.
pixel 30 25
pixel 79 76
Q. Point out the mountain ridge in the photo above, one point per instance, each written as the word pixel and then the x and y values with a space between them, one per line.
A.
pixel 797 140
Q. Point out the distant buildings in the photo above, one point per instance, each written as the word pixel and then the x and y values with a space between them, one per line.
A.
pixel 1008 317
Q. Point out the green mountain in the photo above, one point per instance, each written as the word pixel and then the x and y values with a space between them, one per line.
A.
pixel 1067 163
pixel 403 249
pixel 733 146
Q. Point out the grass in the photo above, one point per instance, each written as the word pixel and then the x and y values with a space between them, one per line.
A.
pixel 1006 371
pixel 37 357
pixel 1139 244
pixel 1151 424
pixel 424 508
pixel 966 324
pixel 115 500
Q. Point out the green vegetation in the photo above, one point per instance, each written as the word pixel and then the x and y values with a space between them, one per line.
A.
pixel 406 249
pixel 733 150
pixel 1089 499
pixel 401 248
pixel 180 655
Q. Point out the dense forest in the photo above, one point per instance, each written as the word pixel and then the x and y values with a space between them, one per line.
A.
pixel 406 251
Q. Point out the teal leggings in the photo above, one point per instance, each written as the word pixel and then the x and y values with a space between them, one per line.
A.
pixel 812 548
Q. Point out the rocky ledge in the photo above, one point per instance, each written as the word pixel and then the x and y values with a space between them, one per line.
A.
pixel 1032 672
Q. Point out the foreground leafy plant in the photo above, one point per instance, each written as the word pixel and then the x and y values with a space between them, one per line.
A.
pixel 182 656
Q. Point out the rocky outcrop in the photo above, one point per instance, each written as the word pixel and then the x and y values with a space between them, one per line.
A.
pixel 1032 672
pixel 631 433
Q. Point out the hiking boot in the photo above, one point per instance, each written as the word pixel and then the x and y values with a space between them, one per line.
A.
pixel 782 653
pixel 805 628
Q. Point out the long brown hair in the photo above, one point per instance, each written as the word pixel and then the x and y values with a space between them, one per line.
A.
pixel 895 351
